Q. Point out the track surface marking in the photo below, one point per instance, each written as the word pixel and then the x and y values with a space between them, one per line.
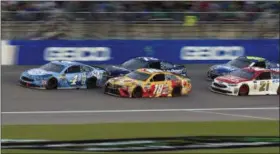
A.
pixel 19 99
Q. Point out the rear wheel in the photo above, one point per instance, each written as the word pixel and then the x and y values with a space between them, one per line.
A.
pixel 51 83
pixel 243 90
pixel 278 91
pixel 106 89
pixel 91 83
pixel 176 92
pixel 137 92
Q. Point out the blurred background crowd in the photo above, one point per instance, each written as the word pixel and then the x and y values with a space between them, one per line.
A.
pixel 124 16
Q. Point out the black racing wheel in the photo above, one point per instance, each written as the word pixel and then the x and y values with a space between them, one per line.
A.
pixel 106 88
pixel 176 91
pixel 51 83
pixel 243 90
pixel 91 83
pixel 137 92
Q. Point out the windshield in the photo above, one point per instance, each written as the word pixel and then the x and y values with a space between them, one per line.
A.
pixel 51 67
pixel 138 76
pixel 239 63
pixel 134 64
pixel 243 74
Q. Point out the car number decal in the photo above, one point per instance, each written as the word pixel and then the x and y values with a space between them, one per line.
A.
pixel 158 89
pixel 264 86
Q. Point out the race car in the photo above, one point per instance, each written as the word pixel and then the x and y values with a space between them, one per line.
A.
pixel 64 75
pixel 248 81
pixel 148 83
pixel 145 62
pixel 239 63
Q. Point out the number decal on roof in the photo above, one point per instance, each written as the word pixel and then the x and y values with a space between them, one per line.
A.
pixel 152 70
pixel 149 58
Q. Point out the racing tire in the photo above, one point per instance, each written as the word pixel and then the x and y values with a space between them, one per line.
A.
pixel 106 89
pixel 176 92
pixel 278 91
pixel 137 92
pixel 91 83
pixel 243 90
pixel 51 84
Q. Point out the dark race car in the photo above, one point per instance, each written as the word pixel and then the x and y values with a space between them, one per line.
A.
pixel 239 63
pixel 145 62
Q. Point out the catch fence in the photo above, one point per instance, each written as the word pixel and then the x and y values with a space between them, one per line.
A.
pixel 139 25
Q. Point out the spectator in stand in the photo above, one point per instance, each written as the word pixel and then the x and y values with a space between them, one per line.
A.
pixel 26 10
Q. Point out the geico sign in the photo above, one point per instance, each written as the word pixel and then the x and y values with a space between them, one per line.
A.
pixel 77 54
pixel 211 53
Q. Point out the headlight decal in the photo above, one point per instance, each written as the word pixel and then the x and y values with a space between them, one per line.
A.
pixel 232 85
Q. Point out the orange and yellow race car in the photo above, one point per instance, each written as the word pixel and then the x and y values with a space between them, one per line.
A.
pixel 148 83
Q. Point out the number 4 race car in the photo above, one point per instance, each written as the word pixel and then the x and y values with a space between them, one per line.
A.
pixel 64 75
pixel 148 83
pixel 248 81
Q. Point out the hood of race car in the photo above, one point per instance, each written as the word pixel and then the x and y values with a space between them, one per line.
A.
pixel 230 79
pixel 37 73
pixel 123 81
pixel 117 70
pixel 223 69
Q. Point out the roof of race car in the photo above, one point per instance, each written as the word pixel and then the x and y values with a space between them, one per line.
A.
pixel 149 70
pixel 253 58
pixel 67 63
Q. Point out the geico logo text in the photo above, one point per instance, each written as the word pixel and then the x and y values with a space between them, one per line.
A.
pixel 211 53
pixel 77 53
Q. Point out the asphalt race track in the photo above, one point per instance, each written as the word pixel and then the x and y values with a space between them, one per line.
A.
pixel 30 106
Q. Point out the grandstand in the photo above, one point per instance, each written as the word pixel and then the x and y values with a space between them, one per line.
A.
pixel 139 20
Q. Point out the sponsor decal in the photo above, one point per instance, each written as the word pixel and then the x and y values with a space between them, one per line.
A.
pixel 275 69
pixel 149 51
pixel 227 67
pixel 177 71
pixel 77 53
pixel 211 53
pixel 147 144
pixel 255 86
pixel 37 72
pixel 44 82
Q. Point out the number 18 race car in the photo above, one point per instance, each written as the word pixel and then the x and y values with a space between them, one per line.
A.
pixel 248 81
pixel 64 75
pixel 148 83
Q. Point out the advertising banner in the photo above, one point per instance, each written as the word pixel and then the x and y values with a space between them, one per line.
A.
pixel 37 52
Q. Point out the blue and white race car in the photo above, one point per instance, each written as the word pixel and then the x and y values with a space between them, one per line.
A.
pixel 146 62
pixel 240 63
pixel 64 75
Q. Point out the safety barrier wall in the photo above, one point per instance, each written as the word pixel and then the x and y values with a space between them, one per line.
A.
pixel 37 52
pixel 7 53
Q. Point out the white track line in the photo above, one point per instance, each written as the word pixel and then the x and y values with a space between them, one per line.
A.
pixel 237 115
pixel 134 111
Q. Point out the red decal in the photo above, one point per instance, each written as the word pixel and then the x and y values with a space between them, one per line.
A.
pixel 173 83
pixel 231 79
pixel 152 90
pixel 123 93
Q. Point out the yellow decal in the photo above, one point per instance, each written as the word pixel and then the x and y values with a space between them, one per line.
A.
pixel 254 58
